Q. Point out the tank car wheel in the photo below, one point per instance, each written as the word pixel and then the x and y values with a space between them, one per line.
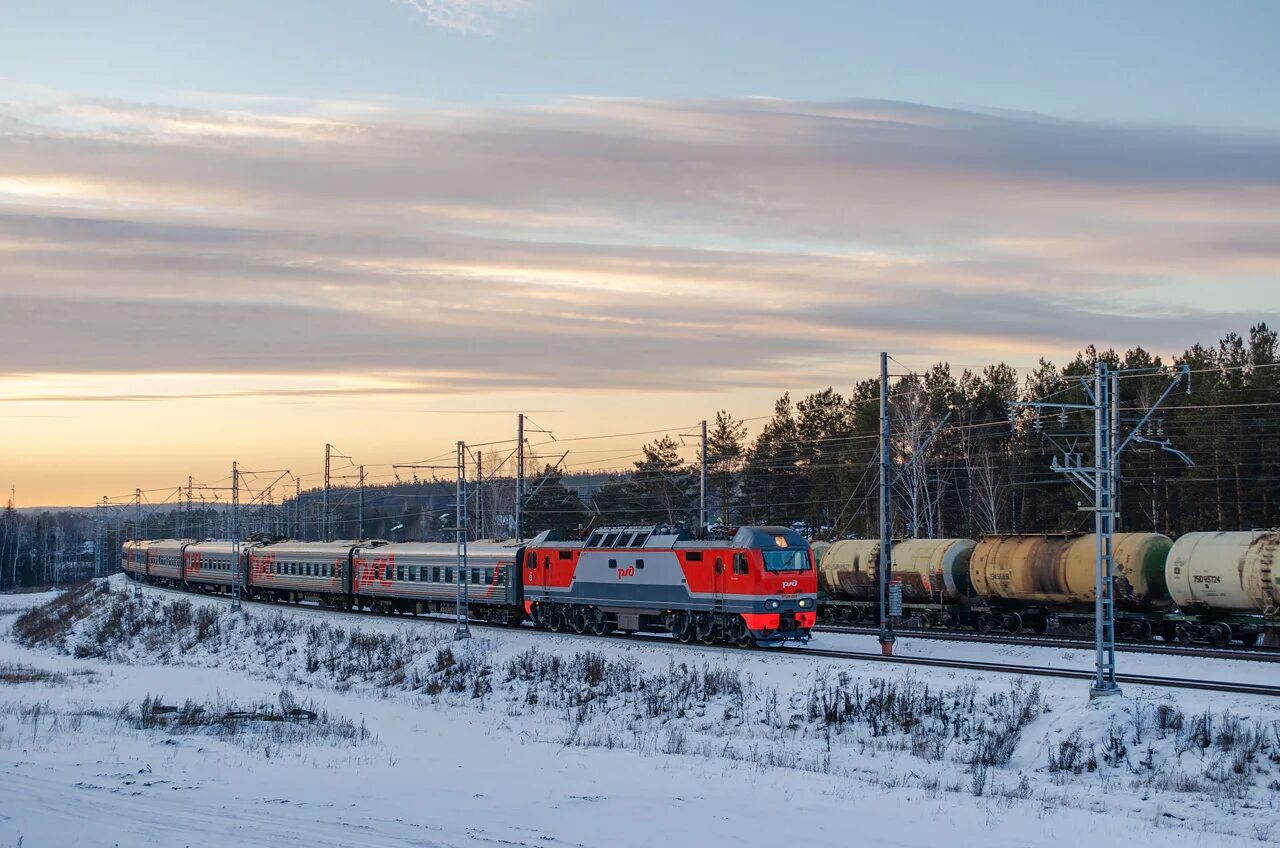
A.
pixel 1182 635
pixel 1140 631
pixel 985 624
pixel 1040 626
pixel 1250 640
pixel 1220 635
pixel 1013 623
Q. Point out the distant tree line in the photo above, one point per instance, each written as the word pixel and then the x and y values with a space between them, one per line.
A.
pixel 962 467
pixel 815 460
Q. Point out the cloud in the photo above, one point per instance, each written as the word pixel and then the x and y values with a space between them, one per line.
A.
pixel 471 16
pixel 614 244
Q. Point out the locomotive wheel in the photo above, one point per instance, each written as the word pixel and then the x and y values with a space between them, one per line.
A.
pixel 577 620
pixel 682 627
pixel 736 632
pixel 595 621
pixel 707 629
pixel 555 620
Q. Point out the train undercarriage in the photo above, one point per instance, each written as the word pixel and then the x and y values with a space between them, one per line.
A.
pixel 1174 628
pixel 708 628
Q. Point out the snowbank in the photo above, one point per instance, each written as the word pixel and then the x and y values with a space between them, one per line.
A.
pixel 523 737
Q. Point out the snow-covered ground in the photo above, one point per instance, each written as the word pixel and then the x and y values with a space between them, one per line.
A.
pixel 520 738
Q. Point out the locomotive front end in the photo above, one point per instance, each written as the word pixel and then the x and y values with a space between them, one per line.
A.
pixel 785 585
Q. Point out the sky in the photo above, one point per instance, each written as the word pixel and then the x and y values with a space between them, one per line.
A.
pixel 238 231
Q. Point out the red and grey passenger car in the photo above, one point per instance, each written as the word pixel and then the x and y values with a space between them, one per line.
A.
pixel 418 577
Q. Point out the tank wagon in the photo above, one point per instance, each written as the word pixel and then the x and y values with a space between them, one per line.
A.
pixel 1226 586
pixel 758 588
pixel 934 573
pixel 1035 580
pixel 1215 587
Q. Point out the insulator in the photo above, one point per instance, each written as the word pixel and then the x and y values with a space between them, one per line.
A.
pixel 1062 419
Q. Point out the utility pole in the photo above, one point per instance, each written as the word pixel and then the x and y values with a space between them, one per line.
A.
pixel 519 477
pixel 297 508
pixel 1104 607
pixel 1099 480
pixel 137 513
pixel 702 486
pixel 463 630
pixel 480 495
pixel 324 522
pixel 190 524
pixel 99 532
pixel 886 518
pixel 360 506
pixel 235 538
pixel 1113 394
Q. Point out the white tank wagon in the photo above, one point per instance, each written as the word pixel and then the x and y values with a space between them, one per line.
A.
pixel 1230 577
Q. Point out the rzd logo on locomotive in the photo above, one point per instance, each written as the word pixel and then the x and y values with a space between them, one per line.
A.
pixel 629 571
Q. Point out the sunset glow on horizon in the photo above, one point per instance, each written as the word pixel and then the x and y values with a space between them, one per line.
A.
pixel 220 259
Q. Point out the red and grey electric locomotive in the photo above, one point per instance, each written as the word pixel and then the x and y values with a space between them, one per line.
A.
pixel 760 586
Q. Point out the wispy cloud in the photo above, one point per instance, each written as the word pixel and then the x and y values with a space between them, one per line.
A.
pixel 614 244
pixel 474 16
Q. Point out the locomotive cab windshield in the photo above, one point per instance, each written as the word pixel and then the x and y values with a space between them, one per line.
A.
pixel 789 560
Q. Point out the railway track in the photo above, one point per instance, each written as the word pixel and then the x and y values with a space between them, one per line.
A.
pixel 1260 654
pixel 1041 671
pixel 812 652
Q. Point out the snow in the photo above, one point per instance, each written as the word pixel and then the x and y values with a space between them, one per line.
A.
pixel 450 769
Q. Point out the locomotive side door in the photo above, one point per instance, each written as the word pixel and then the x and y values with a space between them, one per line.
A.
pixel 721 576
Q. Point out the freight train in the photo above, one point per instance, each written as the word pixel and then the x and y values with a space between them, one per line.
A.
pixel 1217 587
pixel 758 588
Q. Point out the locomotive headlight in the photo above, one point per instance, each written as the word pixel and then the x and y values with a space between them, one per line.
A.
pixel 772 604
pixel 804 603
